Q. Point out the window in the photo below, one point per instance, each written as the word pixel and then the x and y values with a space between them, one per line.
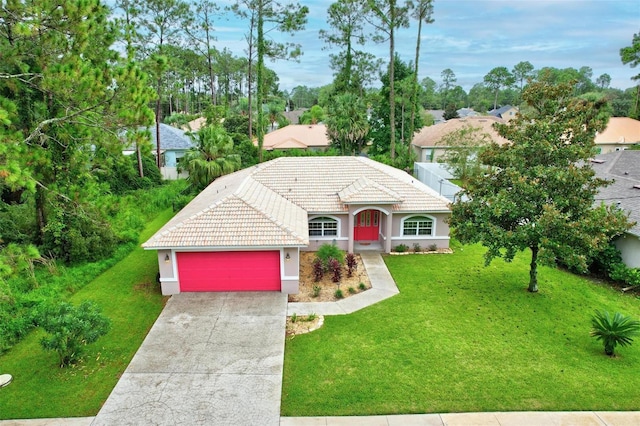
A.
pixel 323 227
pixel 417 225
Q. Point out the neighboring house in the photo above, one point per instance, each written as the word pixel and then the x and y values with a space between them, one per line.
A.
pixel 623 168
pixel 173 145
pixel 297 136
pixel 437 114
pixel 294 115
pixel 467 112
pixel 620 134
pixel 245 231
pixel 195 124
pixel 426 142
pixel 507 112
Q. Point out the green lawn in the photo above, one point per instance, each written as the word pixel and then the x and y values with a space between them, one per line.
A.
pixel 461 337
pixel 130 297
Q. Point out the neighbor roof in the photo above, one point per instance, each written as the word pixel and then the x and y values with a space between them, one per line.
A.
pixel 622 168
pixel 171 138
pixel 623 130
pixel 431 135
pixel 269 204
pixel 297 136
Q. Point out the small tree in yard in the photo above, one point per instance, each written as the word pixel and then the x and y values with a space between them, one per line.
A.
pixel 70 328
pixel 618 330
pixel 538 191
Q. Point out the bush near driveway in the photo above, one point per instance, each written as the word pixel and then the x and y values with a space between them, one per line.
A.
pixel 462 337
pixel 130 297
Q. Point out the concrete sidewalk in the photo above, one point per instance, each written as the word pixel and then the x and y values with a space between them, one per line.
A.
pixel 516 418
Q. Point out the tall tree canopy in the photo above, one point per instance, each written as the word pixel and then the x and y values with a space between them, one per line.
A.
pixel 65 96
pixel 538 191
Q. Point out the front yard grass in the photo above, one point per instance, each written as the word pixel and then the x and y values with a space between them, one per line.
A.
pixel 129 295
pixel 461 338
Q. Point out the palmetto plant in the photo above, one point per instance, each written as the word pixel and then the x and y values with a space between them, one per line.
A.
pixel 618 330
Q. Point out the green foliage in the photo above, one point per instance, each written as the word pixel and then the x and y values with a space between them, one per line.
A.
pixel 615 331
pixel 417 248
pixel 316 289
pixel 329 251
pixel 433 247
pixel 70 328
pixel 401 248
pixel 314 115
pixel 538 191
pixel 351 290
pixel 361 286
pixel 294 317
pixel 463 148
pixel 179 119
pixel 347 123
pixel 450 111
pixel 213 157
pixel 338 294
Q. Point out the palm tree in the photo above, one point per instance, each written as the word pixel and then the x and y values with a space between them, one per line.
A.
pixel 618 330
pixel 211 158
pixel 347 124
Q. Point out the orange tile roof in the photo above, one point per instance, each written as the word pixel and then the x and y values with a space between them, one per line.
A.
pixel 297 136
pixel 622 130
pixel 430 135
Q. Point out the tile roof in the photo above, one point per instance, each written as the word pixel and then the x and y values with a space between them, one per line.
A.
pixel 297 136
pixel 171 138
pixel 430 135
pixel 622 167
pixel 622 130
pixel 268 204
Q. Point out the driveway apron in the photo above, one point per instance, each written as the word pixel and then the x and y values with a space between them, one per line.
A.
pixel 210 358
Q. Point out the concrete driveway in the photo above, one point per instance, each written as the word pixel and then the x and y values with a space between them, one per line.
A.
pixel 210 358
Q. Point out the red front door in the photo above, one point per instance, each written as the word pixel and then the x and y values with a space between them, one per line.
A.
pixel 367 223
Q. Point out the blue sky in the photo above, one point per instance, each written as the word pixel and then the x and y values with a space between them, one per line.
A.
pixel 473 36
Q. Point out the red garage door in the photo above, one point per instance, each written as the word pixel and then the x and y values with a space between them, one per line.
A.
pixel 229 271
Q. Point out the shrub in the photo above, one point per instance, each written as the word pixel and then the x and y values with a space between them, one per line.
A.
pixel 417 248
pixel 361 286
pixel 401 248
pixel 352 290
pixel 316 291
pixel 620 272
pixel 433 247
pixel 336 270
pixel 329 251
pixel 311 317
pixel 352 263
pixel 294 317
pixel 338 294
pixel 70 328
pixel 618 330
pixel 318 271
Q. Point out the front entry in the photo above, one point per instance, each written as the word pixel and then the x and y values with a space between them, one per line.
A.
pixel 367 225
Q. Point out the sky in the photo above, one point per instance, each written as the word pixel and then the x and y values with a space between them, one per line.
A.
pixel 473 36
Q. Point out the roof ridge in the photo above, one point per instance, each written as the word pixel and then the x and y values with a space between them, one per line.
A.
pixel 274 220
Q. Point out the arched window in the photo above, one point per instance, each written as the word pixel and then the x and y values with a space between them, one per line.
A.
pixel 417 225
pixel 323 227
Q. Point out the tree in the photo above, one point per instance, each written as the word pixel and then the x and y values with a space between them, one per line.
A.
pixel 388 17
pixel 630 55
pixel 66 96
pixel 496 79
pixel 313 116
pixel 345 19
pixel 287 18
pixel 463 148
pixel 522 71
pixel 211 158
pixel 161 24
pixel 71 328
pixel 538 191
pixel 603 81
pixel 422 13
pixel 448 79
pixel 347 124
pixel 450 112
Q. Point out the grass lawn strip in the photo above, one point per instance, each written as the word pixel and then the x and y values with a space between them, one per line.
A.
pixel 129 296
pixel 461 337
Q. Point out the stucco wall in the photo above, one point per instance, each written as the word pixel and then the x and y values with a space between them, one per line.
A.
pixel 440 236
pixel 341 240
pixel 629 246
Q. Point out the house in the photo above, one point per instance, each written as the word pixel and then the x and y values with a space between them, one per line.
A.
pixel 437 114
pixel 426 143
pixel 622 167
pixel 436 176
pixel 174 143
pixel 620 134
pixel 466 112
pixel 507 112
pixel 245 231
pixel 297 136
